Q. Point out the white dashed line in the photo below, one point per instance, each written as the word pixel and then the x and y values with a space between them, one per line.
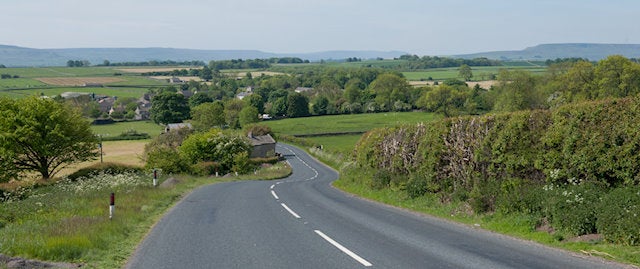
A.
pixel 343 249
pixel 275 195
pixel 290 211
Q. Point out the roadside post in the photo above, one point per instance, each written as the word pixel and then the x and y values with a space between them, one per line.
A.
pixel 155 177
pixel 112 205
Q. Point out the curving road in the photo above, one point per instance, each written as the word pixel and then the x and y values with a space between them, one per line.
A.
pixel 302 222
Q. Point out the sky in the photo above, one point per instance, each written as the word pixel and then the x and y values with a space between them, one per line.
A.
pixel 422 27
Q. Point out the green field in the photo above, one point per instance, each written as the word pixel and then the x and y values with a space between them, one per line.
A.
pixel 345 123
pixel 39 72
pixel 479 73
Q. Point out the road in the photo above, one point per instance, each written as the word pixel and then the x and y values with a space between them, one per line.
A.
pixel 303 222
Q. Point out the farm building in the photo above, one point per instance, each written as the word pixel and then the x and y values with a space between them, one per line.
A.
pixel 264 146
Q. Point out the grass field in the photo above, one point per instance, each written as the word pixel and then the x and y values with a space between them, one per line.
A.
pixel 109 91
pixel 479 73
pixel 345 123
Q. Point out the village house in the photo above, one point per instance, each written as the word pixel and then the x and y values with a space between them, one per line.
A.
pixel 177 126
pixel 302 89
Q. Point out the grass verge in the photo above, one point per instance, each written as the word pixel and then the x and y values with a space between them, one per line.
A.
pixel 68 221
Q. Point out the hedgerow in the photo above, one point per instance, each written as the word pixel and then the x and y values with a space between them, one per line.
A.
pixel 509 162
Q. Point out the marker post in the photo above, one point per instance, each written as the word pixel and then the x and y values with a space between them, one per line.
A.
pixel 155 177
pixel 112 205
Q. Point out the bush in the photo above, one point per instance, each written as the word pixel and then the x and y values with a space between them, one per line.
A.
pixel 128 135
pixel 104 168
pixel 380 180
pixel 619 216
pixel 205 168
pixel 521 196
pixel 573 208
pixel 167 159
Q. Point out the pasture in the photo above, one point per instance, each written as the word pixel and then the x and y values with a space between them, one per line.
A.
pixel 336 124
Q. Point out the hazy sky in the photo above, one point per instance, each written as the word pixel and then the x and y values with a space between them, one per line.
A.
pixel 423 27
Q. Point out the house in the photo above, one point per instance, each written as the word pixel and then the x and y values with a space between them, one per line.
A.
pixel 142 112
pixel 264 146
pixel 302 89
pixel 176 126
pixel 175 80
pixel 242 95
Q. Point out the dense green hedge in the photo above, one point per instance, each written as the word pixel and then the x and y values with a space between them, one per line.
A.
pixel 510 162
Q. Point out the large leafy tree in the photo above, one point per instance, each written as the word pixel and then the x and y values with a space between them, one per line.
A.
pixel 208 115
pixel 43 136
pixel 298 105
pixel 168 107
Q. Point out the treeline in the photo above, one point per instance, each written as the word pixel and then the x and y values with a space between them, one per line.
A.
pixel 253 63
pixel 426 62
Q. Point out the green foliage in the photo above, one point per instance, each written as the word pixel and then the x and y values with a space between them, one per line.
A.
pixel 619 216
pixel 214 146
pixel 128 135
pixel 207 115
pixel 248 115
pixel 103 168
pixel 297 105
pixel 167 159
pixel 168 107
pixel 573 208
pixel 43 136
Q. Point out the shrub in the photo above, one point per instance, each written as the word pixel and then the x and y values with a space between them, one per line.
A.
pixel 128 135
pixel 521 196
pixel 380 180
pixel 205 168
pixel 619 216
pixel 573 208
pixel 105 168
pixel 167 159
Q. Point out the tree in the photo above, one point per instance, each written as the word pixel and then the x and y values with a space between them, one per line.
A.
pixel 232 110
pixel 43 136
pixel 199 98
pixel 321 105
pixel 206 74
pixel 385 85
pixel 168 107
pixel 207 116
pixel 443 99
pixel 465 72
pixel 298 105
pixel 255 100
pixel 248 115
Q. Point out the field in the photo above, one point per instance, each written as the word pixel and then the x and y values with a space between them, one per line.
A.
pixel 78 81
pixel 479 73
pixel 334 124
pixel 140 70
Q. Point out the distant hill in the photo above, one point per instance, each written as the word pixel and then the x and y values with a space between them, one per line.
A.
pixel 12 56
pixel 592 52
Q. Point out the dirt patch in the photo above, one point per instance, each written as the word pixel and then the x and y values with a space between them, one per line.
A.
pixel 80 81
pixel 20 263
pixel 588 238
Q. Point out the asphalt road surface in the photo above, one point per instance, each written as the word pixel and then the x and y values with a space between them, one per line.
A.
pixel 302 222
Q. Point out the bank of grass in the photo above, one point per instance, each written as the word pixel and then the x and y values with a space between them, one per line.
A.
pixel 68 221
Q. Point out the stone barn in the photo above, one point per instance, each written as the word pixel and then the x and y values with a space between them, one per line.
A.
pixel 264 146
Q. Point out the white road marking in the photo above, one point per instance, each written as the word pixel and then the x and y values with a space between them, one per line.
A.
pixel 290 211
pixel 272 186
pixel 343 249
pixel 275 195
